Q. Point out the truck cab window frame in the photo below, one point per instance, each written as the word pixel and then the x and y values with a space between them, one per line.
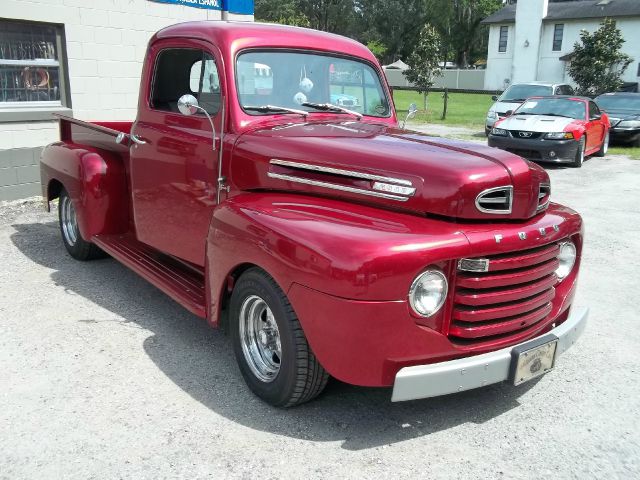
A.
pixel 184 70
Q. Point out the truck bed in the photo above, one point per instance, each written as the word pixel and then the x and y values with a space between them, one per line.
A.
pixel 96 134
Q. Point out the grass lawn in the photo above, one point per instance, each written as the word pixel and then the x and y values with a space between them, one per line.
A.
pixel 632 152
pixel 464 109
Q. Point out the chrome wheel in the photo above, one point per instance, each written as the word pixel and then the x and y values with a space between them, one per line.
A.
pixel 605 144
pixel 260 338
pixel 68 221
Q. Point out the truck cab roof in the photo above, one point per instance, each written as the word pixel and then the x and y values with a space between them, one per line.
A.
pixel 232 37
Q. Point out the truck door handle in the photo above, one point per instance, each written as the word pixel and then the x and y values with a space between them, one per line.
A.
pixel 137 140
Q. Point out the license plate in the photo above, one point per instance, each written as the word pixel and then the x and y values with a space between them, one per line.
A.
pixel 533 359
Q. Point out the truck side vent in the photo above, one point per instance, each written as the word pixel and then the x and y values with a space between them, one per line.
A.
pixel 498 201
pixel 544 196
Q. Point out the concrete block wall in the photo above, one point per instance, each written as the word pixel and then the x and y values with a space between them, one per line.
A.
pixel 105 44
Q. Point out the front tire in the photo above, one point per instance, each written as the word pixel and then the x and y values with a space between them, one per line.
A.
pixel 579 158
pixel 77 246
pixel 270 347
pixel 604 147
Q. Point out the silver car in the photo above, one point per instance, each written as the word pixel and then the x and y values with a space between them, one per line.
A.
pixel 517 93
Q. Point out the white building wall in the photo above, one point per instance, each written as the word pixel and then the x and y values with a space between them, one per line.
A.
pixel 551 69
pixel 105 44
pixel 528 32
pixel 499 64
pixel 549 66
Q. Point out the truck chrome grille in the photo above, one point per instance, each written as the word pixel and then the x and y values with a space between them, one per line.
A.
pixel 515 294
pixel 497 200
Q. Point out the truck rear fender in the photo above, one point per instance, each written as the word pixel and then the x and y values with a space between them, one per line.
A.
pixel 95 180
pixel 342 249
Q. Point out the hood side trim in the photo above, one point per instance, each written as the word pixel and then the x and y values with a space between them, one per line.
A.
pixel 333 186
pixel 339 171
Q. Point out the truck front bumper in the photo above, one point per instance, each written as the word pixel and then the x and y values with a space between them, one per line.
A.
pixel 424 381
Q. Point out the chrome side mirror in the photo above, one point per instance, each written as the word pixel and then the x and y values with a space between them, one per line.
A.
pixel 188 105
pixel 413 110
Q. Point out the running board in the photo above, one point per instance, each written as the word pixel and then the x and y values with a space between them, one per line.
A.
pixel 184 285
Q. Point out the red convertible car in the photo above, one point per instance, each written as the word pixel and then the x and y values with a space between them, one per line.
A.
pixel 554 129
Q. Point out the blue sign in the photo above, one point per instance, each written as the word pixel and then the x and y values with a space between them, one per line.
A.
pixel 207 4
pixel 240 7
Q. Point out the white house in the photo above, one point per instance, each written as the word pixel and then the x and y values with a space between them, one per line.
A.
pixel 531 40
pixel 80 58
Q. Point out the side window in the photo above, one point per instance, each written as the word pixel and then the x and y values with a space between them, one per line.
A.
pixel 558 33
pixel 594 111
pixel 504 37
pixel 179 71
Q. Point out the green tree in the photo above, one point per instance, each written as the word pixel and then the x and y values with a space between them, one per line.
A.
pixel 377 48
pixel 280 11
pixel 423 62
pixel 597 64
pixel 458 22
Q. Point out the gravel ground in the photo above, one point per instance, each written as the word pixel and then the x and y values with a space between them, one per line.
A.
pixel 102 376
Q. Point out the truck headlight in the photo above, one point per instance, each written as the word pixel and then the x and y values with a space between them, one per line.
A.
pixel 559 136
pixel 492 115
pixel 567 258
pixel 428 292
pixel 501 132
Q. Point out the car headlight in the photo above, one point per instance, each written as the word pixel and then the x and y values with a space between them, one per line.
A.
pixel 428 292
pixel 492 115
pixel 559 136
pixel 629 124
pixel 501 132
pixel 567 258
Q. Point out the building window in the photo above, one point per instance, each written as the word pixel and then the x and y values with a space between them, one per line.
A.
pixel 504 37
pixel 558 32
pixel 31 71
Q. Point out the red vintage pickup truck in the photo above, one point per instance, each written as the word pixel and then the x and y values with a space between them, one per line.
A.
pixel 267 187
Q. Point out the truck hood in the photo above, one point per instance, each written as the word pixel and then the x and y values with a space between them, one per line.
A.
pixel 397 168
pixel 537 123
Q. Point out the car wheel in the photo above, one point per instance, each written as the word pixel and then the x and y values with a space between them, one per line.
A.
pixel 77 246
pixel 604 147
pixel 579 158
pixel 271 349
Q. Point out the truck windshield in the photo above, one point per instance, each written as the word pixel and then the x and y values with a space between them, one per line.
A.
pixel 298 80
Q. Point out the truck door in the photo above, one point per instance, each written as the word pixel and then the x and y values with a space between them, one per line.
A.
pixel 174 172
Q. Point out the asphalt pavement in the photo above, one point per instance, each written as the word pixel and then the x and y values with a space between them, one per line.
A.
pixel 103 376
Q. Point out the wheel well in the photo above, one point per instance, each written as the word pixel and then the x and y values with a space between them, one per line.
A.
pixel 227 290
pixel 54 189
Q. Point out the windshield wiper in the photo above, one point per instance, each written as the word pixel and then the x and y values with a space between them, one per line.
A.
pixel 512 100
pixel 275 108
pixel 330 107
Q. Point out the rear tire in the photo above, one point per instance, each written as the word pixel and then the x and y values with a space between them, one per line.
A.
pixel 604 147
pixel 579 158
pixel 270 347
pixel 77 246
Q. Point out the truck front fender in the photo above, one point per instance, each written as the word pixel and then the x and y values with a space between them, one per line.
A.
pixel 96 182
pixel 342 249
